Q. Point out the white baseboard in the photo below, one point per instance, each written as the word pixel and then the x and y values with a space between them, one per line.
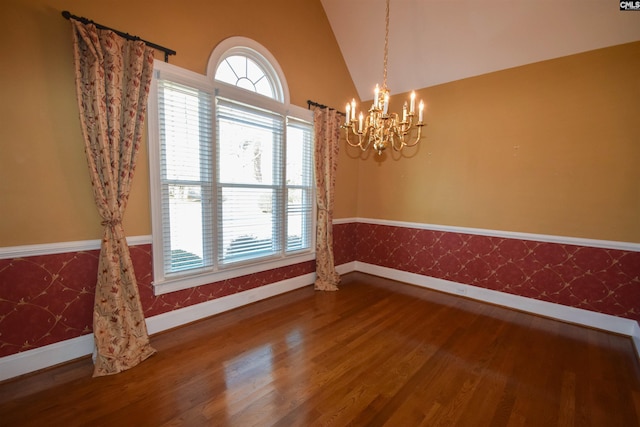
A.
pixel 346 268
pixel 44 357
pixel 578 316
pixel 636 338
pixel 47 356
pixel 182 316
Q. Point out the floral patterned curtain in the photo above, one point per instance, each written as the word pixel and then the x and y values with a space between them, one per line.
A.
pixel 112 82
pixel 327 136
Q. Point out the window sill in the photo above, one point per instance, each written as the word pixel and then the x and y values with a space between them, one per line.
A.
pixel 173 284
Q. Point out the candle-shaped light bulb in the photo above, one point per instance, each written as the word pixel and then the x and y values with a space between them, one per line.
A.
pixel 404 112
pixel 386 103
pixel 346 121
pixel 353 109
pixel 421 111
pixel 412 107
pixel 376 93
pixel 360 119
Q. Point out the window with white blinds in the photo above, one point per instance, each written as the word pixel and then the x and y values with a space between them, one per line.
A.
pixel 299 185
pixel 250 168
pixel 231 176
pixel 186 176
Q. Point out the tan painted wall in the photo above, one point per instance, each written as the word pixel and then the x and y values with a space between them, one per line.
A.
pixel 550 148
pixel 547 148
pixel 45 195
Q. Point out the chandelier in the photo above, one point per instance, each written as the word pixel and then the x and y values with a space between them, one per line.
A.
pixel 380 128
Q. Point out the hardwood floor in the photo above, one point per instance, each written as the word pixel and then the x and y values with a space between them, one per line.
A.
pixel 375 353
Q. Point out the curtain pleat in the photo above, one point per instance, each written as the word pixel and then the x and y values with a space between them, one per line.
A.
pixel 327 136
pixel 112 83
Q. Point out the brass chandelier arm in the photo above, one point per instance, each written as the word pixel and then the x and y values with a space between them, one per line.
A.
pixel 408 144
pixel 351 128
pixel 383 130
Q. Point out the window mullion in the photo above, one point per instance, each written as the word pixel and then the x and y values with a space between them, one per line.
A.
pixel 278 196
pixel 207 167
pixel 285 191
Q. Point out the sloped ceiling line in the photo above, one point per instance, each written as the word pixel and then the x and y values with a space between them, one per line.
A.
pixel 435 41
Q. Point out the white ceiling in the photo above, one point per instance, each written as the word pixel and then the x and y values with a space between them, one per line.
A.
pixel 438 41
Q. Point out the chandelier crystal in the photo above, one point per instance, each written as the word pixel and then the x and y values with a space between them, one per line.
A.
pixel 381 129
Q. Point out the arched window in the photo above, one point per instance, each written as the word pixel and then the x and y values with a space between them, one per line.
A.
pixel 243 63
pixel 243 71
pixel 231 166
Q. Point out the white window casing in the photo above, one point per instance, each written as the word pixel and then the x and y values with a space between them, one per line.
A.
pixel 231 168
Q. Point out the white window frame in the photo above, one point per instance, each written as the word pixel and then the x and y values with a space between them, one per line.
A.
pixel 236 45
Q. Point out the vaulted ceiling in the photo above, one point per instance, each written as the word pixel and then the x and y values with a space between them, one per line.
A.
pixel 438 41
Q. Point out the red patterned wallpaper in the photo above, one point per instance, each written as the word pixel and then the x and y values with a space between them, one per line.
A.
pixel 601 280
pixel 47 299
pixel 344 243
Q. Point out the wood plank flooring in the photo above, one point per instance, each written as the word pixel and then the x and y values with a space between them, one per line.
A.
pixel 375 353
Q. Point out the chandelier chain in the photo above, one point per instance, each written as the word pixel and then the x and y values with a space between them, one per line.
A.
pixel 380 128
pixel 386 47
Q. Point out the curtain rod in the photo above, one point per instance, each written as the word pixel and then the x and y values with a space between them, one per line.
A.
pixel 315 104
pixel 127 36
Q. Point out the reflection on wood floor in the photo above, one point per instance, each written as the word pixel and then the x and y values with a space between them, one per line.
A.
pixel 375 353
